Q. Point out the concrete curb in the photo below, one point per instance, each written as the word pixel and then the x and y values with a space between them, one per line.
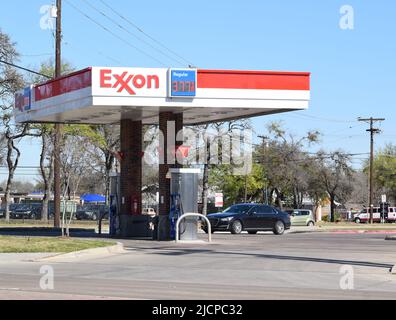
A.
pixel 192 242
pixel 347 231
pixel 95 252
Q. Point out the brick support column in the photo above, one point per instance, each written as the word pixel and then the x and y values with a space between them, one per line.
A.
pixel 131 175
pixel 169 124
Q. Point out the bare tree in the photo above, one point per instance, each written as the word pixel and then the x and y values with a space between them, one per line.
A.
pixel 285 162
pixel 3 148
pixel 46 167
pixel 315 188
pixel 75 163
pixel 211 135
pixel 10 132
pixel 106 139
pixel 336 176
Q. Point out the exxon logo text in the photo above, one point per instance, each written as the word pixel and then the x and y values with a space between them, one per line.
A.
pixel 128 82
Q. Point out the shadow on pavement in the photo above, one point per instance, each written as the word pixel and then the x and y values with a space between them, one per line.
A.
pixel 182 252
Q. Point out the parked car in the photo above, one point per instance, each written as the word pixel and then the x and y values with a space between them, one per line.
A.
pixel 301 217
pixel 12 207
pixel 25 211
pixel 251 218
pixel 364 215
pixel 92 212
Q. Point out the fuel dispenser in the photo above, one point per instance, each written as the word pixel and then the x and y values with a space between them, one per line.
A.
pixel 184 199
pixel 114 205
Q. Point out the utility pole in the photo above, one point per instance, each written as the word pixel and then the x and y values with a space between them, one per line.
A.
pixel 58 127
pixel 372 131
pixel 266 200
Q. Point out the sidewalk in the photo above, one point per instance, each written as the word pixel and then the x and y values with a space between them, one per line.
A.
pixel 389 229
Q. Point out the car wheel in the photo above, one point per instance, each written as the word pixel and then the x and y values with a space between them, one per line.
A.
pixel 236 227
pixel 357 220
pixel 252 232
pixel 279 228
pixel 310 224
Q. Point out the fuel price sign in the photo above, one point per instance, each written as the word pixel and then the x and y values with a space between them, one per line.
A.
pixel 183 83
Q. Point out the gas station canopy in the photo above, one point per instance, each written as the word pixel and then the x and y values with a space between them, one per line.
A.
pixel 105 95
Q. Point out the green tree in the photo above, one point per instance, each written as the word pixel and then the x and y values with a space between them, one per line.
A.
pixel 233 186
pixel 285 162
pixel 384 171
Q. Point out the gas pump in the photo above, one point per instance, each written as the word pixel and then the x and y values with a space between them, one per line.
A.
pixel 184 199
pixel 114 205
pixel 176 211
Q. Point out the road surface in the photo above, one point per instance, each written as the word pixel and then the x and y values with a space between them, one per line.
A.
pixel 263 266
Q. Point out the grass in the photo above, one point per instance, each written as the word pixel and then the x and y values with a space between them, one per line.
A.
pixel 38 223
pixel 10 244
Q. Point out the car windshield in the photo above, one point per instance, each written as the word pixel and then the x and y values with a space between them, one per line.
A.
pixel 238 209
pixel 23 208
pixel 87 207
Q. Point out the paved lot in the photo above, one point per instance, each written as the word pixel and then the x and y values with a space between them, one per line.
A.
pixel 263 266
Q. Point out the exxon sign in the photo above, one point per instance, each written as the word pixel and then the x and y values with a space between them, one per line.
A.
pixel 133 82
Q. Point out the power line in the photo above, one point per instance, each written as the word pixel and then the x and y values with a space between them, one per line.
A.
pixel 145 33
pixel 322 118
pixel 342 130
pixel 76 48
pixel 132 34
pixel 25 69
pixel 36 55
pixel 114 34
pixel 344 138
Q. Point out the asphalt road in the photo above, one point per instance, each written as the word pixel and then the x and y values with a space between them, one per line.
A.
pixel 263 266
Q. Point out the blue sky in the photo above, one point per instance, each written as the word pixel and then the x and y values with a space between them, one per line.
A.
pixel 353 71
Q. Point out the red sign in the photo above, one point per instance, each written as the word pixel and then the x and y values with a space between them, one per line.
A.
pixel 219 202
pixel 128 82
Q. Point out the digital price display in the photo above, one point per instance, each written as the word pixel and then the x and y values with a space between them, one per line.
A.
pixel 183 83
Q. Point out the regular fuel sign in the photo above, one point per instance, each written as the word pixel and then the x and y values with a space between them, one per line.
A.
pixel 183 83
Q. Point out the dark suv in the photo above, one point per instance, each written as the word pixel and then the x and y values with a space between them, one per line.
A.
pixel 12 207
pixel 251 218
pixel 92 212
pixel 25 211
